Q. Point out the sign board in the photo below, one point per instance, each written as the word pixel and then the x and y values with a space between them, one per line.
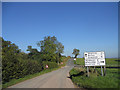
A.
pixel 61 62
pixel 94 58
pixel 46 66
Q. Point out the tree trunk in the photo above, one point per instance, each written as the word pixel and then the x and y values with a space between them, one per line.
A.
pixel 76 56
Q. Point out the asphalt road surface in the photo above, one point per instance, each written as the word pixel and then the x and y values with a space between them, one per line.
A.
pixel 55 79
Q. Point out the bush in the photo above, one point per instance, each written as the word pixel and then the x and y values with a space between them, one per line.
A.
pixel 15 63
pixel 50 64
pixel 19 69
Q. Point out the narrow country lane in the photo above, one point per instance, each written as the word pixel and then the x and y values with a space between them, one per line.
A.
pixel 54 79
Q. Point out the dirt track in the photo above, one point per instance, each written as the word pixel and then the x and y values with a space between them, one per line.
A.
pixel 54 79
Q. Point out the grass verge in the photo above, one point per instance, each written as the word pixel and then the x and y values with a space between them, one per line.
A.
pixel 15 81
pixel 95 80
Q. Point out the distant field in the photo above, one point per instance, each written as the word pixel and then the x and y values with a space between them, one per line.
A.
pixel 109 61
pixel 79 61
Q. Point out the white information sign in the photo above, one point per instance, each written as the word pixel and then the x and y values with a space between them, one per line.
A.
pixel 94 58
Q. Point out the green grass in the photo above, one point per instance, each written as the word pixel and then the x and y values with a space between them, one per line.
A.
pixel 80 61
pixel 109 61
pixel 95 80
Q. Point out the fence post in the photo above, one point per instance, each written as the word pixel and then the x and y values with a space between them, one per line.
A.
pixel 94 69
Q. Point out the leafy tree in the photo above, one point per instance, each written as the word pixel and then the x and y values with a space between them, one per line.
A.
pixel 0 59
pixel 47 45
pixel 48 48
pixel 22 56
pixel 76 52
pixel 34 54
pixel 15 63
pixel 60 49
pixel 29 48
pixel 51 49
pixel 9 59
pixel 32 51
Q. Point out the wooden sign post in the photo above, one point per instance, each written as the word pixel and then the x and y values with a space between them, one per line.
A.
pixel 94 59
pixel 101 71
pixel 88 71
pixel 94 69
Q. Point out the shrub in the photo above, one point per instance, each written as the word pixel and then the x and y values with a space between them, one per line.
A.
pixel 15 63
pixel 50 64
pixel 19 69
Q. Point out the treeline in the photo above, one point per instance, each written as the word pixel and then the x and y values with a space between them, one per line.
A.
pixel 17 64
